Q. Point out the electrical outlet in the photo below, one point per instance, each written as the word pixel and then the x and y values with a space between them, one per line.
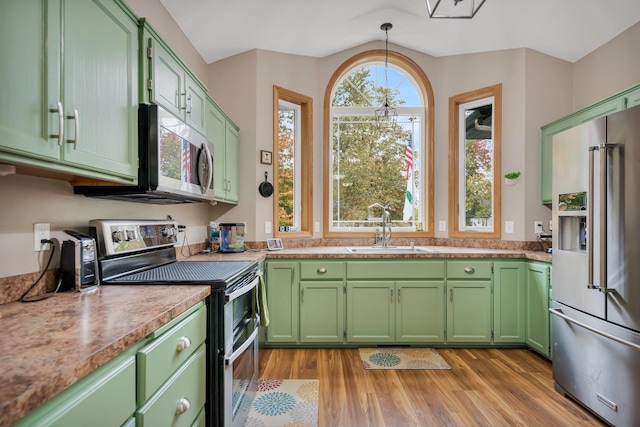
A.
pixel 316 227
pixel 537 227
pixel 508 227
pixel 442 226
pixel 41 231
pixel 550 225
pixel 267 227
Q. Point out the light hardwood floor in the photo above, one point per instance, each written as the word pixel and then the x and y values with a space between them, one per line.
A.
pixel 485 387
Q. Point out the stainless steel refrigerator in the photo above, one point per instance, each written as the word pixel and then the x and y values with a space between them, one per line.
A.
pixel 596 266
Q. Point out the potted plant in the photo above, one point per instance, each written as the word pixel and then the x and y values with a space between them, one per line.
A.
pixel 511 178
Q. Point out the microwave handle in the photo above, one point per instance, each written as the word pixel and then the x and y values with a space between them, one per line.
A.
pixel 205 181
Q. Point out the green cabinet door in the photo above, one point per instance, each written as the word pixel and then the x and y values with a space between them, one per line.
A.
pixel 25 123
pixel 322 312
pixel 370 311
pixel 537 297
pixel 469 311
pixel 100 94
pixel 69 80
pixel 283 301
pixel 419 311
pixel 232 162
pixel 509 302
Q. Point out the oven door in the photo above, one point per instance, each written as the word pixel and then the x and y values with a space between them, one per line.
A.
pixel 241 376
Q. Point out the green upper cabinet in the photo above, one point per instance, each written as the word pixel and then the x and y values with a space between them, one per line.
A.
pixel 508 302
pixel 169 83
pixel 625 99
pixel 68 80
pixel 538 279
pixel 224 135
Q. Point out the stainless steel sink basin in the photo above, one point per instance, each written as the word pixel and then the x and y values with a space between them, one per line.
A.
pixel 390 249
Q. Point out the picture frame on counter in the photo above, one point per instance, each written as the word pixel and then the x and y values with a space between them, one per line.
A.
pixel 274 244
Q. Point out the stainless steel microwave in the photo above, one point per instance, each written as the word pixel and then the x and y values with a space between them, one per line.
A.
pixel 175 163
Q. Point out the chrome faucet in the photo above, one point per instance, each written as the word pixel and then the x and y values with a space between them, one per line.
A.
pixel 386 223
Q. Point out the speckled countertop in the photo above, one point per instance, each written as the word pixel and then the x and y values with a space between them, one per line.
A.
pixel 47 346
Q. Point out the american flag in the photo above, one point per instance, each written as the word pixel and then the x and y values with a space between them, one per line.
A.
pixel 408 156
pixel 186 161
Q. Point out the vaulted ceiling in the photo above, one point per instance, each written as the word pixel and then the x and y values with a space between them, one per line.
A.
pixel 566 29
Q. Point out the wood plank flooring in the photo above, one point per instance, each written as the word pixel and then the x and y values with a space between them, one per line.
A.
pixel 485 387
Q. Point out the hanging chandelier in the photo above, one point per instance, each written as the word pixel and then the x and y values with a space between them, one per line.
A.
pixel 451 8
pixel 386 116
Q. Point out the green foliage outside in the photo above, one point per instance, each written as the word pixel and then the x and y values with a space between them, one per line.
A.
pixel 286 164
pixel 478 180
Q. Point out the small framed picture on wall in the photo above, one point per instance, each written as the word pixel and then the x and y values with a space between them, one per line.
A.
pixel 265 157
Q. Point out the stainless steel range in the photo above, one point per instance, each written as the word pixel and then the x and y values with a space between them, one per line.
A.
pixel 142 252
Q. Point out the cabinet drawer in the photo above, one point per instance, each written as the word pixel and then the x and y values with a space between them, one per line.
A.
pixel 186 385
pixel 395 270
pixel 158 360
pixel 321 270
pixel 469 269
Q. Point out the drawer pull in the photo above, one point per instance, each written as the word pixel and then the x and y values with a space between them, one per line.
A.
pixel 183 343
pixel 322 270
pixel 183 406
pixel 469 270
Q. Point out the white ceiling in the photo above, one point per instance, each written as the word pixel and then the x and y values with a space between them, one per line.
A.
pixel 566 29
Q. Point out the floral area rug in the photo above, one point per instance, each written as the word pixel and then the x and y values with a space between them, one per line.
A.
pixel 285 403
pixel 401 358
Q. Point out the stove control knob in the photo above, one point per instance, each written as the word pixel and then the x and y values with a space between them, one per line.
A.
pixel 169 231
pixel 118 236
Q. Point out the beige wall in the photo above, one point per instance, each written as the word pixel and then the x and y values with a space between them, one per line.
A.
pixel 537 89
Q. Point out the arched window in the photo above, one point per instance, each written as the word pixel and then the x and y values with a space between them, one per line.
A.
pixel 365 167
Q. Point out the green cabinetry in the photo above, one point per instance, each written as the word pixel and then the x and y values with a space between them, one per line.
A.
pixel 509 302
pixel 322 308
pixel 537 281
pixel 69 84
pixel 283 284
pixel 224 135
pixel 625 99
pixel 469 305
pixel 168 82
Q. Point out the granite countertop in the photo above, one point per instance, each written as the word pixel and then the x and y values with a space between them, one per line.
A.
pixel 47 346
pixel 342 252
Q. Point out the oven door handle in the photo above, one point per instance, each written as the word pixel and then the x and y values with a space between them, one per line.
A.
pixel 252 338
pixel 243 290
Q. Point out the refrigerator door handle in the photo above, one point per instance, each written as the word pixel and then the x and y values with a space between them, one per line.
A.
pixel 590 284
pixel 558 312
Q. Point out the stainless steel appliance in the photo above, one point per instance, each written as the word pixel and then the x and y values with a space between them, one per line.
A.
pixel 142 252
pixel 79 263
pixel 175 163
pixel 596 266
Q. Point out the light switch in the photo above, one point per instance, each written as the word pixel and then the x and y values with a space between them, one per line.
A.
pixel 316 227
pixel 267 227
pixel 442 226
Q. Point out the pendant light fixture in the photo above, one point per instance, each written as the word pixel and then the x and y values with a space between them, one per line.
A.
pixel 386 116
pixel 451 9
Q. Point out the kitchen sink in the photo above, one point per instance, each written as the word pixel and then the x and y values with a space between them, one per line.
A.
pixel 390 249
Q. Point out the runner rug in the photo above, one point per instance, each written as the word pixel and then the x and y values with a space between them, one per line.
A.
pixel 401 358
pixel 285 403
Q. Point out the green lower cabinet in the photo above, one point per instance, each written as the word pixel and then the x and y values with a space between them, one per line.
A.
pixel 322 312
pixel 420 311
pixel 538 279
pixel 283 301
pixel 370 311
pixel 469 311
pixel 400 312
pixel 509 302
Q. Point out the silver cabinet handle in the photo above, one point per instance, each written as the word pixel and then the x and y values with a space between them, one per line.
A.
pixel 398 296
pixel 188 105
pixel 183 343
pixel 590 284
pixel 76 119
pixel 180 105
pixel 183 406
pixel 558 312
pixel 60 112
pixel 469 270
pixel 322 270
